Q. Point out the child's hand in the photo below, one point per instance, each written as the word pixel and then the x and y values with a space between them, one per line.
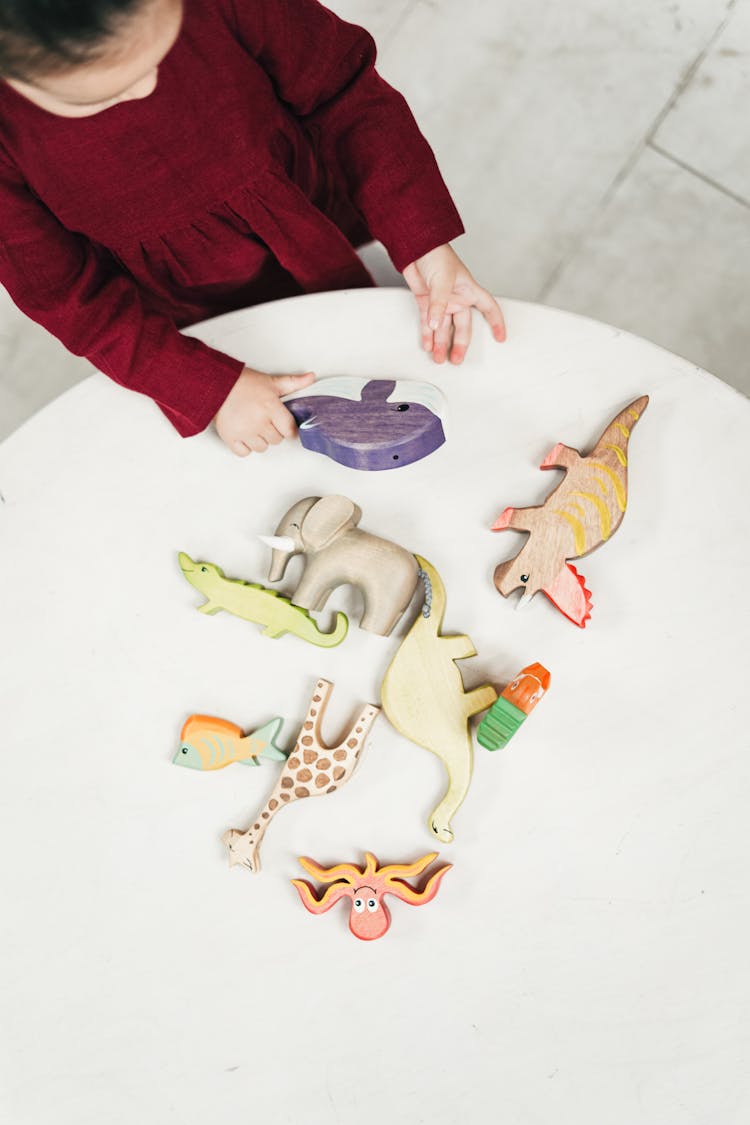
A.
pixel 252 416
pixel 446 293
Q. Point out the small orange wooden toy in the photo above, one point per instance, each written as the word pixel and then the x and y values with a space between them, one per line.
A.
pixel 513 707
pixel 367 887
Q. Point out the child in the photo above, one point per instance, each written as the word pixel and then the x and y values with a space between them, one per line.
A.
pixel 163 161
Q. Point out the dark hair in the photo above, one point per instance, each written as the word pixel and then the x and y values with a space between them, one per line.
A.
pixel 46 36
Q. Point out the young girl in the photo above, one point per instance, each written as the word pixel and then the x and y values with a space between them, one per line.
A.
pixel 163 161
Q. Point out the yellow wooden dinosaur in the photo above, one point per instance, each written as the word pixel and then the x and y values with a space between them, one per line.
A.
pixel 423 697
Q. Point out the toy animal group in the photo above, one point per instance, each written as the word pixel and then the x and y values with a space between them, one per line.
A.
pixel 423 694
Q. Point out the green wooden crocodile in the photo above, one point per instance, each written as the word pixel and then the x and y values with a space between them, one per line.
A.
pixel 257 604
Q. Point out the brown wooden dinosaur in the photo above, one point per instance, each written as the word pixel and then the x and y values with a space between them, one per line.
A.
pixel 580 514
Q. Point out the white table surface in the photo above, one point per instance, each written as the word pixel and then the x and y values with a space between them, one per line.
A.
pixel 585 961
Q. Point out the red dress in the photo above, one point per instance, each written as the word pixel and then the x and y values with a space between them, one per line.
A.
pixel 269 148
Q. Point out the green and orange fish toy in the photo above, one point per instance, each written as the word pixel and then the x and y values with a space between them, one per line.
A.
pixel 208 743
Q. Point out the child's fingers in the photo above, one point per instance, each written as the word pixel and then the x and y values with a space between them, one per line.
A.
pixel 461 335
pixel 427 333
pixel 270 434
pixel 285 384
pixel 443 338
pixel 284 421
pixel 492 313
pixel 440 293
pixel 257 443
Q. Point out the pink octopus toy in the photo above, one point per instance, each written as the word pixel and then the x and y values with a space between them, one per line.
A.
pixel 367 887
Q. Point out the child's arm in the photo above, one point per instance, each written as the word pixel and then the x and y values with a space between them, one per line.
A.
pixel 75 290
pixel 323 69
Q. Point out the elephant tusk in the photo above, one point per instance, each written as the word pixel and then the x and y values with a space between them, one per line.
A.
pixel 278 542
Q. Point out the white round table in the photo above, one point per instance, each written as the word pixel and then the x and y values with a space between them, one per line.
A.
pixel 586 958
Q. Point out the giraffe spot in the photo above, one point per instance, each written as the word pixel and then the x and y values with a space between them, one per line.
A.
pixel 322 780
pixel 256 826
pixel 331 789
pixel 351 742
pixel 358 730
pixel 286 783
pixel 301 791
pixel 265 815
pixel 323 764
pixel 293 763
pixel 338 773
pixel 340 755
pixel 307 740
pixel 304 775
pixel 316 699
pixel 273 803
pixel 313 710
pixel 308 725
pixel 310 756
pixel 285 796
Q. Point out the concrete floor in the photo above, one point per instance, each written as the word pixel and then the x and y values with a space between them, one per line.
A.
pixel 599 153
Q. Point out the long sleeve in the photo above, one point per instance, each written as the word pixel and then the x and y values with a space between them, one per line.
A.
pixel 75 290
pixel 323 69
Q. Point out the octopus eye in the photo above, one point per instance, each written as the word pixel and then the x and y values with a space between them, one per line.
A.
pixel 372 905
pixel 524 577
pixel 184 749
pixel 204 570
pixel 359 905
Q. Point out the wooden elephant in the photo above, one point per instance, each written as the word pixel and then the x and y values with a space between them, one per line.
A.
pixel 325 530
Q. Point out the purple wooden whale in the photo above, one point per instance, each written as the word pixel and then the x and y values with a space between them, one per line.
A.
pixel 369 423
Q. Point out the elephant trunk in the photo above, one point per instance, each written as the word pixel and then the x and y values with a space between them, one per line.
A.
pixel 282 549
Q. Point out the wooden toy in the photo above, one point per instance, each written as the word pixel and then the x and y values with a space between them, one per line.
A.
pixel 311 770
pixel 370 423
pixel 513 707
pixel 336 552
pixel 369 917
pixel 424 697
pixel 584 510
pixel 257 604
pixel 208 743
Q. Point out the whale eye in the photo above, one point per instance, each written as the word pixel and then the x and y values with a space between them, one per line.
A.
pixel 403 406
pixel 359 905
pixel 184 749
pixel 372 905
pixel 524 577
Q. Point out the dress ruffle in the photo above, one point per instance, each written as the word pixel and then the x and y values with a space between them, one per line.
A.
pixel 227 247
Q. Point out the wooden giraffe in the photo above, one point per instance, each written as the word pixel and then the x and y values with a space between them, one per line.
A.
pixel 578 516
pixel 311 770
